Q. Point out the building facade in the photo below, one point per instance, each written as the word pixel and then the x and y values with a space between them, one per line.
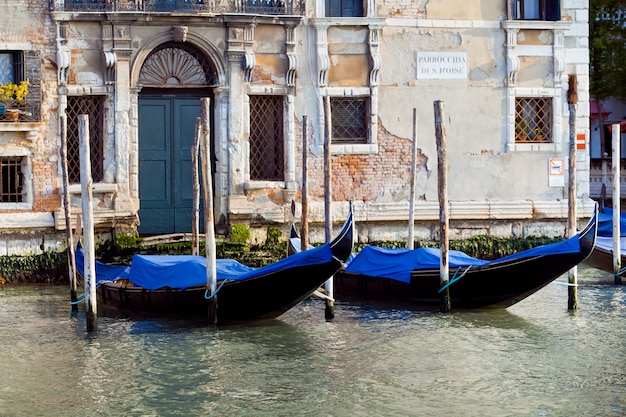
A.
pixel 139 70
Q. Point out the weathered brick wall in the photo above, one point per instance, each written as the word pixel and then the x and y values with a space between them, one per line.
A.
pixel 26 25
pixel 383 176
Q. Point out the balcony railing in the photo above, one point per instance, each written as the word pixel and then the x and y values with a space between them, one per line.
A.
pixel 268 7
pixel 13 111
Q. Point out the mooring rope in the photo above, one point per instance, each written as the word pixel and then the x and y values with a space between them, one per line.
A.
pixel 206 292
pixel 81 297
pixel 454 278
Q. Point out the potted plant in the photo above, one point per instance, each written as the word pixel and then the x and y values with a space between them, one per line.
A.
pixel 523 130
pixel 12 97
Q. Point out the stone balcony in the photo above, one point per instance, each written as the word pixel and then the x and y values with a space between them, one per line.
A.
pixel 262 7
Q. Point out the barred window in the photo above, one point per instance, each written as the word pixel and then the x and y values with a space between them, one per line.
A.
pixel 93 106
pixel 349 119
pixel 11 180
pixel 533 119
pixel 266 138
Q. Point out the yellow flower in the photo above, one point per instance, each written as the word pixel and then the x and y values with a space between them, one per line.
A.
pixel 12 91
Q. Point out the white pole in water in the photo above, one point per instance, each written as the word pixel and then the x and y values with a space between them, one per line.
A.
pixel 304 227
pixel 209 227
pixel 442 163
pixel 572 99
pixel 411 239
pixel 615 167
pixel 87 205
pixel 328 197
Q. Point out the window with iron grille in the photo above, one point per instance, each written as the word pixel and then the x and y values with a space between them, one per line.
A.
pixel 11 180
pixel 93 106
pixel 549 10
pixel 533 119
pixel 349 119
pixel 266 138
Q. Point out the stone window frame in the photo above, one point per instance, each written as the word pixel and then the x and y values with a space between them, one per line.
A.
pixel 371 147
pixel 289 155
pixel 27 173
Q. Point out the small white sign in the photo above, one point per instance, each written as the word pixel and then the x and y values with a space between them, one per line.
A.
pixel 557 172
pixel 441 65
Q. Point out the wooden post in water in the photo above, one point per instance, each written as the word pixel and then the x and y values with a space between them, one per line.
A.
pixel 209 227
pixel 616 168
pixel 195 211
pixel 304 227
pixel 572 100
pixel 411 238
pixel 69 237
pixel 328 195
pixel 442 165
pixel 86 183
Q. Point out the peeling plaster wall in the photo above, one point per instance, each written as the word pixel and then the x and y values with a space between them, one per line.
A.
pixel 492 188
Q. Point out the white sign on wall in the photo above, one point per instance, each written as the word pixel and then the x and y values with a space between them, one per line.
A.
pixel 441 65
pixel 557 172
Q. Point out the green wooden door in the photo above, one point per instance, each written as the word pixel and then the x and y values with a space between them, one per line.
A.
pixel 166 134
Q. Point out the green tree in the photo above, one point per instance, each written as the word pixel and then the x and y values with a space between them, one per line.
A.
pixel 607 57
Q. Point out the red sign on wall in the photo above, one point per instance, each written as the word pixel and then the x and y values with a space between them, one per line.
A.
pixel 581 142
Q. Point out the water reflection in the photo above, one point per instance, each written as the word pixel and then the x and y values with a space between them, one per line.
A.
pixel 534 359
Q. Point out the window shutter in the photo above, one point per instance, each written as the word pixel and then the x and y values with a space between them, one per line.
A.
pixel 553 10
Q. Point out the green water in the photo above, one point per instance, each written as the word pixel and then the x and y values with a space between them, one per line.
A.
pixel 534 359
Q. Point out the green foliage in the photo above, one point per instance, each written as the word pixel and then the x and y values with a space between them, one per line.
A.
pixel 49 267
pixel 125 241
pixel 607 31
pixel 240 233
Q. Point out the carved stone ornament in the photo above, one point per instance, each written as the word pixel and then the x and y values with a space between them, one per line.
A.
pixel 180 33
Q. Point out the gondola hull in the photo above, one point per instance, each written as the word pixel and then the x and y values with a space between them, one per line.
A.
pixel 495 284
pixel 253 294
pixel 264 297
pixel 602 255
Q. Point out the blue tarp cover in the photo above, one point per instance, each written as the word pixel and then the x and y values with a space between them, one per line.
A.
pixel 397 264
pixel 183 271
pixel 605 223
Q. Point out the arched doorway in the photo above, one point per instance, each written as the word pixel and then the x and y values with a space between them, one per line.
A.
pixel 173 79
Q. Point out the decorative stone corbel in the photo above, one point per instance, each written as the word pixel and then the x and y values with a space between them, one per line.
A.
pixel 323 60
pixel 559 69
pixel 377 63
pixel 110 59
pixel 291 71
pixel 291 56
pixel 512 65
pixel 248 66
pixel 63 63
pixel 323 65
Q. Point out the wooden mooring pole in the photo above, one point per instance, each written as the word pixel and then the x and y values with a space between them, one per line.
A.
pixel 304 226
pixel 69 237
pixel 616 169
pixel 195 181
pixel 411 238
pixel 442 187
pixel 572 99
pixel 328 196
pixel 86 183
pixel 209 227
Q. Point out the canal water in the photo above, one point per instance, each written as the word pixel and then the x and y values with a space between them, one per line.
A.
pixel 534 359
